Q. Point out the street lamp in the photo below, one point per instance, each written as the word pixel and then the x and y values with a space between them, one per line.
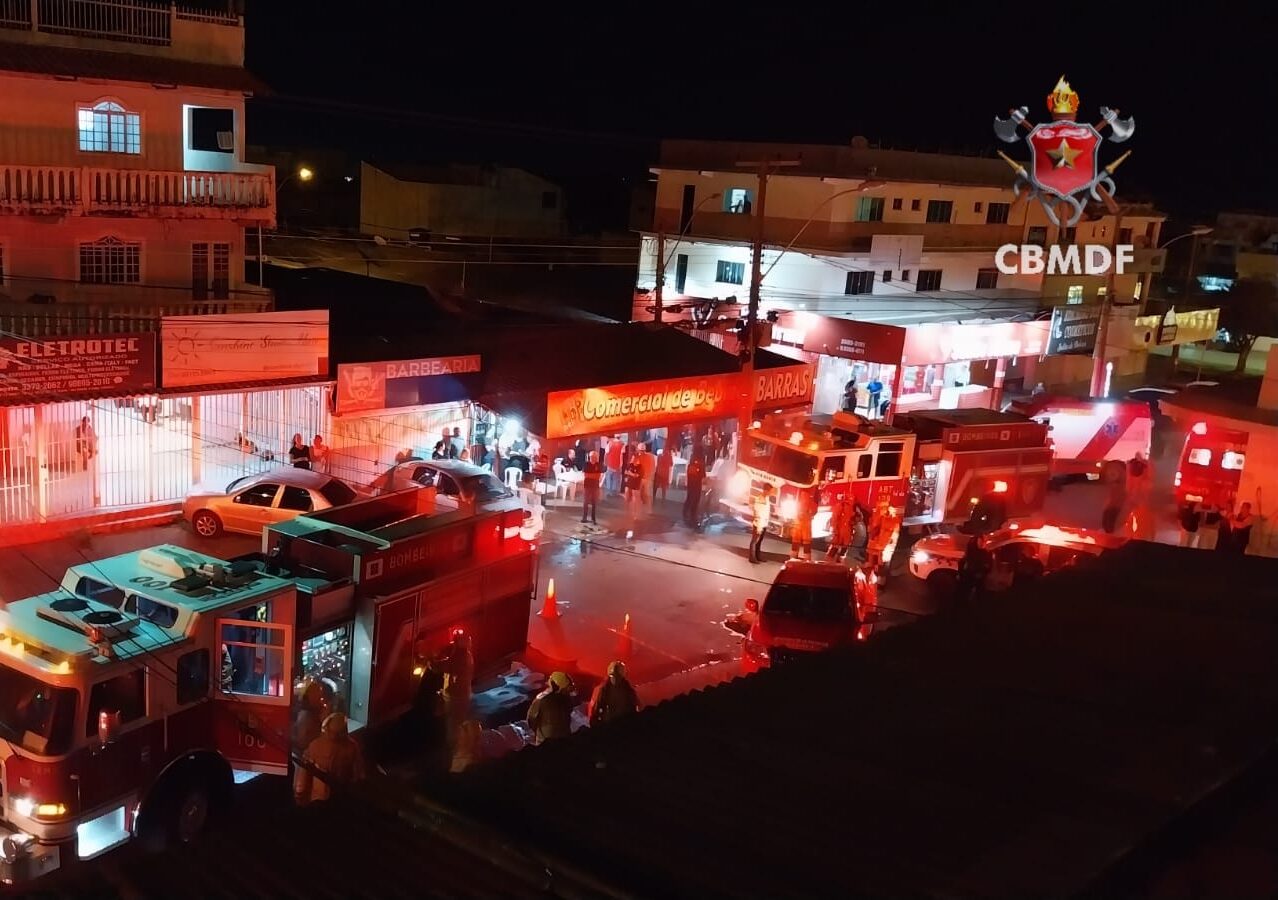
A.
pixel 662 256
pixel 302 174
pixel 863 186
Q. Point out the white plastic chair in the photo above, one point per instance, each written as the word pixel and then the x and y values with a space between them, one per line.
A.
pixel 514 477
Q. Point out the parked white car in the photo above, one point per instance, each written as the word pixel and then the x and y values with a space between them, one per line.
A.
pixel 252 502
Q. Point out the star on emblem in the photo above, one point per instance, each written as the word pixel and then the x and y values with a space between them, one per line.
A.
pixel 1064 155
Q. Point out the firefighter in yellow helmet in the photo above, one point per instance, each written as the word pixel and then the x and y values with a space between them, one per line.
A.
pixel 333 759
pixel 550 715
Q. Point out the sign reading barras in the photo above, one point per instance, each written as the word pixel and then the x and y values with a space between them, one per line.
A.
pixel 42 370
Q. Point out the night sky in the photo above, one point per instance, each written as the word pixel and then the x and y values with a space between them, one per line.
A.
pixel 595 85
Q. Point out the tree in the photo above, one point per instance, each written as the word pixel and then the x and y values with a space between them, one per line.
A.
pixel 1249 311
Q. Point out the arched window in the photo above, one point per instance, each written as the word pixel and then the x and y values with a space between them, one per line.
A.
pixel 106 127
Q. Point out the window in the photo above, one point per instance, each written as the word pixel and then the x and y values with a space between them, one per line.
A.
pixel 896 204
pixel 887 275
pixel 1101 292
pixel 1231 459
pixel 35 715
pixel 939 211
pixel 737 200
pixel 261 495
pixel 808 602
pixel 1074 294
pixel 100 592
pixel 888 464
pixel 783 461
pixel 1037 235
pixel 211 268
pixel 213 130
pixel 192 676
pixel 730 272
pixel 905 274
pixel 869 209
pixel 111 261
pixel 1124 235
pixel 996 213
pixel 125 694
pixel 978 206
pixel 483 488
pixel 107 127
pixel 446 486
pixel 297 498
pixel 152 610
pixel 986 279
pixel 916 205
pixel 1137 289
pixel 338 493
pixel 549 200
pixel 929 280
pixel 859 283
pixel 1199 456
pixel 863 463
pixel 254 658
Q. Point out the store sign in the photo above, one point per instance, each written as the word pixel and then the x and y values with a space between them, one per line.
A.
pixel 785 386
pixel 362 387
pixel 943 343
pixel 642 404
pixel 1074 330
pixel 34 371
pixel 1175 328
pixel 861 341
pixel 201 351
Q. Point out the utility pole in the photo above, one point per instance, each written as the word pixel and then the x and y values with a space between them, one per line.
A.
pixel 1184 306
pixel 1102 327
pixel 746 412
pixel 661 275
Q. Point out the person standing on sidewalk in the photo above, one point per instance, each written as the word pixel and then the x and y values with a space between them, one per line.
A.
pixel 842 513
pixel 612 460
pixel 1191 516
pixel 591 475
pixel 661 478
pixel 615 698
pixel 801 527
pixel 692 502
pixel 1209 528
pixel 761 509
pixel 648 472
pixel 86 442
pixel 633 484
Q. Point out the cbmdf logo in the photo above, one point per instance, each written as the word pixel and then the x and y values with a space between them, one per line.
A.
pixel 1064 170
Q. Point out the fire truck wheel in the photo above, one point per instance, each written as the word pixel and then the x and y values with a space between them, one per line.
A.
pixel 1114 470
pixel 192 813
pixel 206 524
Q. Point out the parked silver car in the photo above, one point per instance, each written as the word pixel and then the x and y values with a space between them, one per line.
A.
pixel 252 502
pixel 469 484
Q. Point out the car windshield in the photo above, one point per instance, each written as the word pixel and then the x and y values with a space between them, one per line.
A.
pixel 803 601
pixel 34 714
pixel 486 487
pixel 338 493
pixel 784 462
pixel 238 483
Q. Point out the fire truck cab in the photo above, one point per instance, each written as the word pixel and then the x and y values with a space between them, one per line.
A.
pixel 845 454
pixel 966 456
pixel 133 695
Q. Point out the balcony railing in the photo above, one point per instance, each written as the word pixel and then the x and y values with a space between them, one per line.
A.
pixel 46 320
pixel 132 21
pixel 60 190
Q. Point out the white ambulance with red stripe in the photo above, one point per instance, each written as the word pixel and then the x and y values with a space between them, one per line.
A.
pixel 1088 436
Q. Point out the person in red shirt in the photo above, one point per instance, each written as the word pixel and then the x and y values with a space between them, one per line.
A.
pixel 612 462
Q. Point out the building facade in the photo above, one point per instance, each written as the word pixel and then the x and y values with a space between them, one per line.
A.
pixel 878 235
pixel 123 188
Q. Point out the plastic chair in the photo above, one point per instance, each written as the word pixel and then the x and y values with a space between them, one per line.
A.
pixel 514 477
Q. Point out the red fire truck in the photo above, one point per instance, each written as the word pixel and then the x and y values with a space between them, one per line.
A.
pixel 844 453
pixel 1087 435
pixel 132 696
pixel 969 455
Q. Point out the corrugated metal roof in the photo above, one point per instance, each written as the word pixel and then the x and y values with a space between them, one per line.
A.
pixel 68 62
pixel 1018 750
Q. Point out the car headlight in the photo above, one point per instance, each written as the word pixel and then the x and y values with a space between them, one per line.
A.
pixel 789 508
pixel 920 557
pixel 740 485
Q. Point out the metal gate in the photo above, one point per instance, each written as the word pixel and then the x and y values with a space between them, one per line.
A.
pixel 364 447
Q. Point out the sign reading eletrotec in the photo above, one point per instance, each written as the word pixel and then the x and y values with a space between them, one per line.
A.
pixel 1073 330
pixel 39 371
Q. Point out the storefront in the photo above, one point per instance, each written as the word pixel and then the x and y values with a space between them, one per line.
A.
pixel 952 366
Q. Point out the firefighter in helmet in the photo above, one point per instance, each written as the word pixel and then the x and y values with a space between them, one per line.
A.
pixel 459 673
pixel 333 759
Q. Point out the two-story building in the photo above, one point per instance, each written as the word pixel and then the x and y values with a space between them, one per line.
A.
pixel 123 188
pixel 873 234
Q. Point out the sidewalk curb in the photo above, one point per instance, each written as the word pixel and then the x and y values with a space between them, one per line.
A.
pixel 103 523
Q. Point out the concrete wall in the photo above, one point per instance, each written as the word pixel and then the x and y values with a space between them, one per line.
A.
pixel 41 255
pixel 511 205
pixel 41 123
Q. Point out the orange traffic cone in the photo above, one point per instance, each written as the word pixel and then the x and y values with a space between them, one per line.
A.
pixel 548 608
pixel 624 642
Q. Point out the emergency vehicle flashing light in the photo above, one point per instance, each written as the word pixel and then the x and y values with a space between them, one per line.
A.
pixel 1199 428
pixel 1000 487
pixel 790 508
